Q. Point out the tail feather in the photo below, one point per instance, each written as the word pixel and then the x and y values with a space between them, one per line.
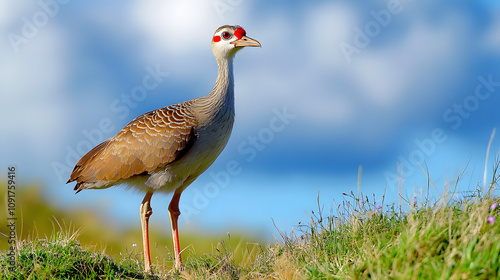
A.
pixel 78 188
pixel 80 174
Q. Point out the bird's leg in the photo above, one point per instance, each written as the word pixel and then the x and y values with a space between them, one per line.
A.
pixel 173 210
pixel 146 211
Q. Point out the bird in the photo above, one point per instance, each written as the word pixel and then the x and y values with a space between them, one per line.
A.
pixel 165 150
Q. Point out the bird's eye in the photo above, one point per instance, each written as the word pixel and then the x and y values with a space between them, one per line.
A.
pixel 226 35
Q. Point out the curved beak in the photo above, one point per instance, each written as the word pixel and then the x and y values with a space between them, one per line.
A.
pixel 246 42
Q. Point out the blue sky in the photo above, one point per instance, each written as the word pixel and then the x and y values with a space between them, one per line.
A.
pixel 336 85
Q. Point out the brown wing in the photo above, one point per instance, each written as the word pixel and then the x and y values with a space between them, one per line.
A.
pixel 150 141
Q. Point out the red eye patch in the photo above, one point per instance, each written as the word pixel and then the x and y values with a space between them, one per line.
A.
pixel 216 38
pixel 240 32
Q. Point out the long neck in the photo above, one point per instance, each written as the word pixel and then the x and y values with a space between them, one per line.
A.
pixel 219 103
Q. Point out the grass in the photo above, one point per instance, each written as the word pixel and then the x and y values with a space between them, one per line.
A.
pixel 61 258
pixel 445 239
pixel 448 240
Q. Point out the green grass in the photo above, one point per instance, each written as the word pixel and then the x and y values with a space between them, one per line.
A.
pixel 61 258
pixel 446 239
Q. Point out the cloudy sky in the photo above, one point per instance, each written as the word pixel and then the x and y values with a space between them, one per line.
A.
pixel 336 85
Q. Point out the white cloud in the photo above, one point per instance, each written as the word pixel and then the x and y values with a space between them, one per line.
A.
pixel 299 66
pixel 325 27
pixel 5 12
pixel 177 26
pixel 395 80
pixel 12 11
pixel 33 95
pixel 389 75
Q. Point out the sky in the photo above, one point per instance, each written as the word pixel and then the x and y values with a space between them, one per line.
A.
pixel 385 89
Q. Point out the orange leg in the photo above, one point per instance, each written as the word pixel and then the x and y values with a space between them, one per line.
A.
pixel 173 210
pixel 146 211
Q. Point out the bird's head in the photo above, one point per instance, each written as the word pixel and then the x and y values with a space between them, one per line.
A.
pixel 228 39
